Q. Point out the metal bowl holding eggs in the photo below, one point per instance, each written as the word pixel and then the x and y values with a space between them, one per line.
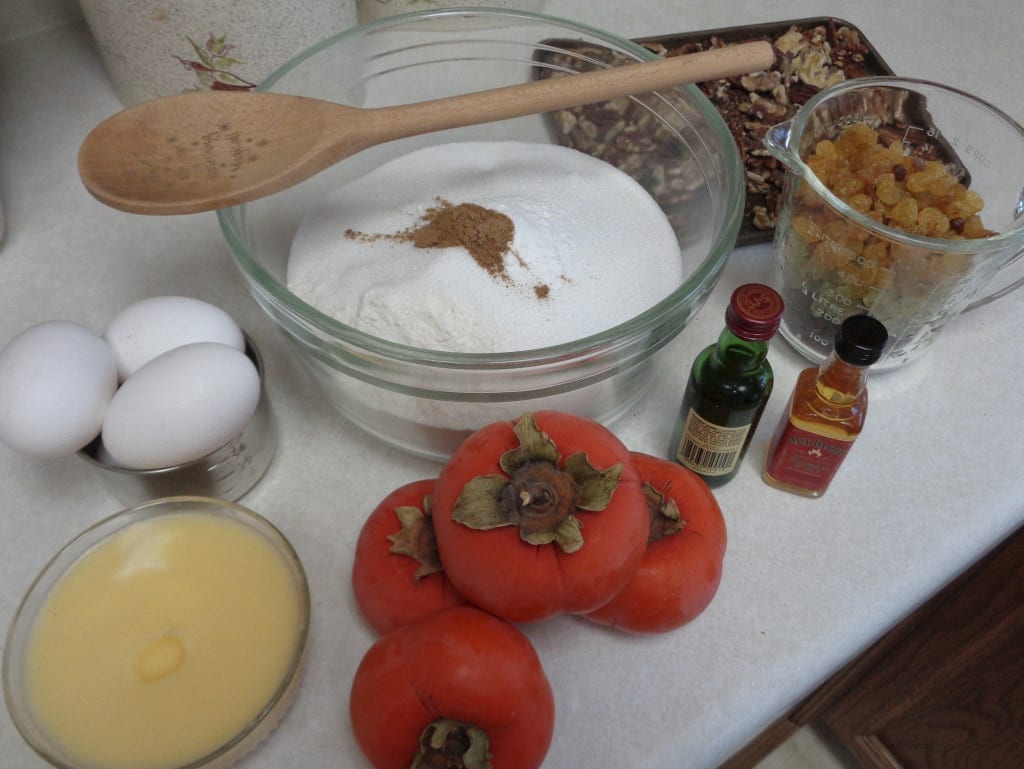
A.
pixel 170 399
pixel 424 398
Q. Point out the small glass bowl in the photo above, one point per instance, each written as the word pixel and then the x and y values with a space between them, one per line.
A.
pixel 674 143
pixel 20 633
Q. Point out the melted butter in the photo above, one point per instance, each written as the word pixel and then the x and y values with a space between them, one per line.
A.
pixel 163 642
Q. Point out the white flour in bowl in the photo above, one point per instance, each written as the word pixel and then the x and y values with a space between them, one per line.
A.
pixel 590 249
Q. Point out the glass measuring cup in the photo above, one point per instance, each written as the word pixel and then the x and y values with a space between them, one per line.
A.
pixel 837 254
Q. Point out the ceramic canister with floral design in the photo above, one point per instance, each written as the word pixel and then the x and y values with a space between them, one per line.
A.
pixel 156 48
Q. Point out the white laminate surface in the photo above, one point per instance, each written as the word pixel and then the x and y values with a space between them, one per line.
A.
pixel 933 483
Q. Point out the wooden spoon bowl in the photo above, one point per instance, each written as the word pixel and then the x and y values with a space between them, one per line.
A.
pixel 206 150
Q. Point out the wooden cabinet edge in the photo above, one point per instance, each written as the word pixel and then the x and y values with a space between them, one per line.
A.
pixel 955 658
pixel 816 705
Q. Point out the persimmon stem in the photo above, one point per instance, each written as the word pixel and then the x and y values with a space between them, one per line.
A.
pixel 450 744
pixel 416 539
pixel 538 492
pixel 665 518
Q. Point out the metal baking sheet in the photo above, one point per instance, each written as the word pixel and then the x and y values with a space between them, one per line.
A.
pixel 764 174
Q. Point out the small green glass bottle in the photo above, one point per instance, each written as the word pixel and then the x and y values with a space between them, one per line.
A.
pixel 729 385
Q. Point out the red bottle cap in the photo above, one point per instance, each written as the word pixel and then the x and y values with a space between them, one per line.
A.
pixel 754 313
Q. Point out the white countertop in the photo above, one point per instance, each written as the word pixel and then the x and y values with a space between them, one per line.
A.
pixel 934 481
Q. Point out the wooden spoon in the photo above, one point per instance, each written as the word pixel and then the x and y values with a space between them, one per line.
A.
pixel 205 150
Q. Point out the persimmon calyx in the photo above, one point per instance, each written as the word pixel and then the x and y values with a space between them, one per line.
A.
pixel 665 517
pixel 449 744
pixel 416 539
pixel 537 495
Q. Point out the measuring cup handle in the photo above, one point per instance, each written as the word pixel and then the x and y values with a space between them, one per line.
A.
pixel 991 297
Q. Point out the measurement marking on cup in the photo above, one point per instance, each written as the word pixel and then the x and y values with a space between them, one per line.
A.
pixel 978 154
pixel 816 337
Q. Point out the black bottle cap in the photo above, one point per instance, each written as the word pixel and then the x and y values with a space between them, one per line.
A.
pixel 860 340
pixel 754 312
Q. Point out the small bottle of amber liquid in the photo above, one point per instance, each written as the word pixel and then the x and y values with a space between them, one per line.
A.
pixel 728 387
pixel 826 412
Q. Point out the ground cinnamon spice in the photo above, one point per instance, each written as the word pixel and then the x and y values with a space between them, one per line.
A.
pixel 485 233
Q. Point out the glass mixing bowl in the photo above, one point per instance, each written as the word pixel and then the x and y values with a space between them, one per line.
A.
pixel 674 143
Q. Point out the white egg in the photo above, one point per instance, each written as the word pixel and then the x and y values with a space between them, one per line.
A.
pixel 56 380
pixel 151 327
pixel 180 406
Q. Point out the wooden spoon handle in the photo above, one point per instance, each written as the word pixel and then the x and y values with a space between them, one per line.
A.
pixel 572 91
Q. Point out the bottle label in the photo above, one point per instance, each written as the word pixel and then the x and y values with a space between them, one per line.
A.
pixel 805 460
pixel 710 449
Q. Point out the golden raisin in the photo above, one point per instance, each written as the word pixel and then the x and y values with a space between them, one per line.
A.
pixel 831 253
pixel 859 202
pixel 973 228
pixel 845 184
pixel 919 181
pixel 806 228
pixel 876 252
pixel 904 213
pixel 825 149
pixel 932 222
pixel 886 189
pixel 861 134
